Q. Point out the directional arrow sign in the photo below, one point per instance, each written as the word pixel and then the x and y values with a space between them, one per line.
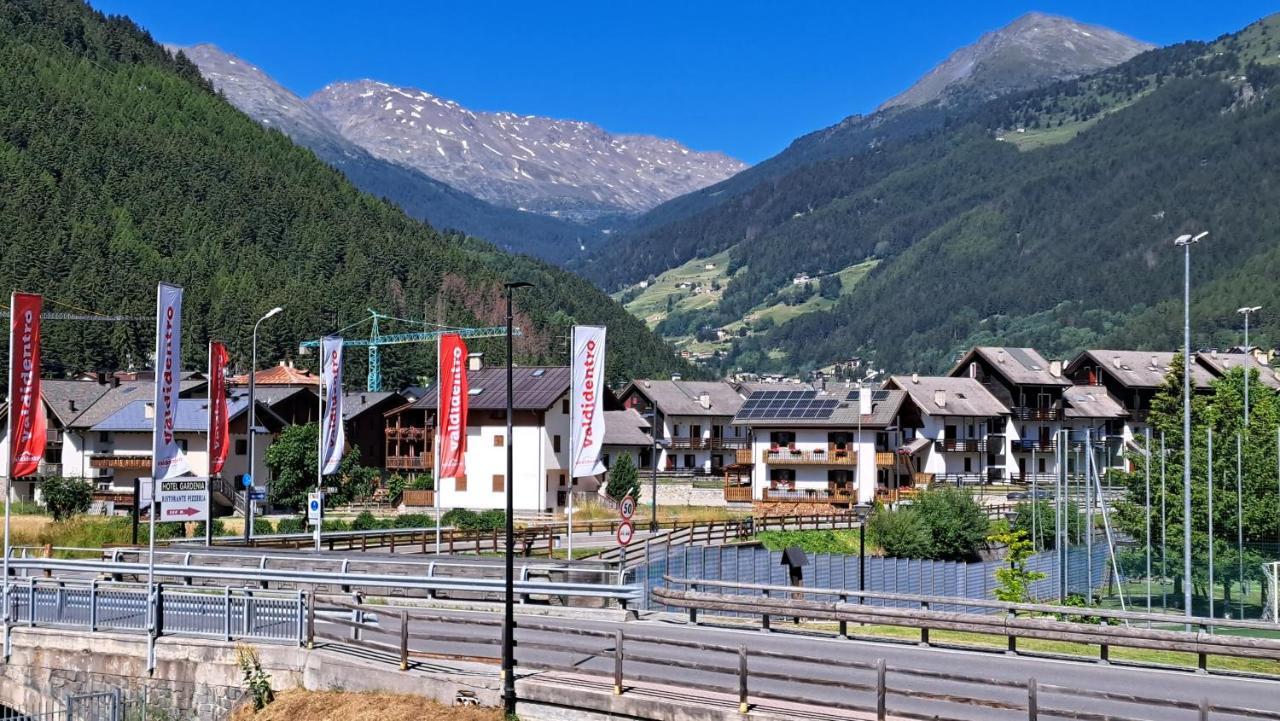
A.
pixel 183 513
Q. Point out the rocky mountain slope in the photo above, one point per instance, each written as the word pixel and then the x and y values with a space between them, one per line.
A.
pixel 562 168
pixel 1028 52
pixel 260 97
pixel 1042 217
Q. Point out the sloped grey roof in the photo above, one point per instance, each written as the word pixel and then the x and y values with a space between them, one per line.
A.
pixel 681 398
pixel 1219 364
pixel 535 389
pixel 122 395
pixel 884 409
pixel 746 388
pixel 1139 368
pixel 626 428
pixel 60 396
pixel 1091 402
pixel 357 402
pixel 1021 366
pixel 962 396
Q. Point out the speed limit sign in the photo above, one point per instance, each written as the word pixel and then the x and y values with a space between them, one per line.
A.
pixel 626 532
pixel 627 508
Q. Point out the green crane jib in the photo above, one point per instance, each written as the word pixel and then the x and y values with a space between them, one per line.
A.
pixel 377 340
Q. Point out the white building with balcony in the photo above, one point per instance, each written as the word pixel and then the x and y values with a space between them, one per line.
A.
pixel 961 436
pixel 695 421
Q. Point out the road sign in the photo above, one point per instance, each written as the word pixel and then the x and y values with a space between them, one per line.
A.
pixel 313 507
pixel 627 508
pixel 182 512
pixel 184 499
pixel 626 532
pixel 246 480
pixel 258 493
pixel 144 493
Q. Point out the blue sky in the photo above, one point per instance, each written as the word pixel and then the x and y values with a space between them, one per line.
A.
pixel 745 77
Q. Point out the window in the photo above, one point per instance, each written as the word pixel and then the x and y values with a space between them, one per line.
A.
pixel 182 444
pixel 104 437
pixel 499 483
pixel 460 484
pixel 564 406
pixel 498 441
pixel 968 464
pixel 689 461
pixel 1040 463
pixel 242 446
pixel 555 443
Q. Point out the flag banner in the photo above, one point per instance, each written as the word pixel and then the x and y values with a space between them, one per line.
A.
pixel 219 424
pixel 586 407
pixel 451 406
pixel 332 433
pixel 26 415
pixel 167 459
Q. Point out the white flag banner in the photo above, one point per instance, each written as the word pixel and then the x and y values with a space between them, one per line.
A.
pixel 332 434
pixel 167 459
pixel 586 410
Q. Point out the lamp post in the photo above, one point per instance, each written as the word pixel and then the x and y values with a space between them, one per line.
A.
pixel 658 445
pixel 1246 311
pixel 509 612
pixel 1185 242
pixel 253 427
pixel 862 510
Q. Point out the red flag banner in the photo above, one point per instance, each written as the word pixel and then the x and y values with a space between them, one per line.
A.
pixel 219 425
pixel 451 394
pixel 26 409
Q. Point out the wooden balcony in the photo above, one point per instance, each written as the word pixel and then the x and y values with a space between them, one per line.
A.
pixel 885 459
pixel 737 494
pixel 1023 413
pixel 405 433
pixel 808 495
pixel 708 444
pixel 134 462
pixel 421 462
pixel 819 457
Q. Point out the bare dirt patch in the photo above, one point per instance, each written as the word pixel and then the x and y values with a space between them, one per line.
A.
pixel 344 706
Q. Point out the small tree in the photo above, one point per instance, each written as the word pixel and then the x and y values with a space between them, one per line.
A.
pixel 623 479
pixel 293 457
pixel 902 533
pixel 957 523
pixel 65 497
pixel 1013 584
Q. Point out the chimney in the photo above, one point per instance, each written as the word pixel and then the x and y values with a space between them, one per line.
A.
pixel 915 378
pixel 704 399
pixel 864 401
pixel 150 411
pixel 362 399
pixel 475 361
pixel 115 381
pixel 1055 368
pixel 1115 361
pixel 940 398
pixel 71 405
pixel 1155 362
pixel 1000 356
pixel 675 376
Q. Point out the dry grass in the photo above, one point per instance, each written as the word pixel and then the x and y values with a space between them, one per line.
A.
pixel 691 514
pixel 27 530
pixel 343 706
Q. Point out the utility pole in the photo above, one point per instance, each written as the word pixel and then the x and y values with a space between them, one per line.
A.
pixel 1185 242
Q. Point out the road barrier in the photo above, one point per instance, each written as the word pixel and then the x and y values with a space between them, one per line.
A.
pixel 748 673
pixel 1016 620
pixel 92 605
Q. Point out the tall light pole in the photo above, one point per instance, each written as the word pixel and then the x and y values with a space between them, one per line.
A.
pixel 253 427
pixel 1185 242
pixel 1248 371
pixel 509 608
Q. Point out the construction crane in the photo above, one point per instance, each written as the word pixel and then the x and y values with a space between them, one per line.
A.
pixel 377 340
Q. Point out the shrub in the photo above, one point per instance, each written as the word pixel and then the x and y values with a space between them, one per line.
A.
pixel 493 520
pixel 291 524
pixel 65 497
pixel 366 522
pixel 956 522
pixel 845 542
pixel 396 484
pixel 901 533
pixel 623 479
pixel 335 525
pixel 414 520
pixel 422 483
pixel 219 529
pixel 262 527
pixel 468 520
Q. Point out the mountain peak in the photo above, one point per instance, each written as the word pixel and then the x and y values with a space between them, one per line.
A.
pixel 1034 49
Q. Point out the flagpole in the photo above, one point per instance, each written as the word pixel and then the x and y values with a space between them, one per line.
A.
pixel 8 481
pixel 435 443
pixel 320 449
pixel 208 451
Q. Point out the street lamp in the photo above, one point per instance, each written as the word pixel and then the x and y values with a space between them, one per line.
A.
pixel 862 511
pixel 1248 371
pixel 1185 242
pixel 253 426
pixel 658 445
pixel 509 608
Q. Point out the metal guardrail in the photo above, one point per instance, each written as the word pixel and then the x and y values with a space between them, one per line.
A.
pixel 1037 621
pixel 864 686
pixel 93 605
pixel 621 592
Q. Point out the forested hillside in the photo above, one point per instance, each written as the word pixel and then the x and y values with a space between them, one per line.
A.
pixel 120 167
pixel 1043 218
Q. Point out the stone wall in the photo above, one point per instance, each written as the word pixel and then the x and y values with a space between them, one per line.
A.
pixel 682 493
pixel 197 678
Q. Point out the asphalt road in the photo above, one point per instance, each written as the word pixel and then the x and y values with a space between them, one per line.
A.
pixel 824 672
